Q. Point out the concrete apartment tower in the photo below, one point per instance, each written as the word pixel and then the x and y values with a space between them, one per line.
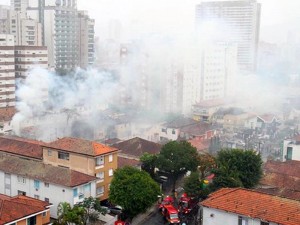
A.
pixel 7 71
pixel 68 33
pixel 232 21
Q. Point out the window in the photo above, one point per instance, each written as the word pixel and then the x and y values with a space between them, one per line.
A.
pixel 31 220
pixel 44 214
pixel 46 185
pixel 99 161
pixel 21 192
pixel 110 172
pixel 63 155
pixel 75 192
pixel 100 190
pixel 36 196
pixel 173 132
pixel 47 200
pixel 289 155
pixel 243 220
pixel 36 184
pixel 100 175
pixel 21 179
pixel 110 158
pixel 264 223
pixel 49 152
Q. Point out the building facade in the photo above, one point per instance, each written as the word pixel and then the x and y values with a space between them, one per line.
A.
pixel 7 71
pixel 68 33
pixel 45 182
pixel 291 149
pixel 236 21
pixel 29 57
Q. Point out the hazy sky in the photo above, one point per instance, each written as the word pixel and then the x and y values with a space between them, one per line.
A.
pixel 277 19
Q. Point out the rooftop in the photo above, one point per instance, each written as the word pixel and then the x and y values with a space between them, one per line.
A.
pixel 122 161
pixel 21 146
pixel 255 204
pixel 180 122
pixel 14 208
pixel 197 129
pixel 43 172
pixel 267 118
pixel 137 147
pixel 81 146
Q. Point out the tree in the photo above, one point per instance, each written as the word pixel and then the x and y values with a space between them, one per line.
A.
pixel 82 213
pixel 236 167
pixel 148 163
pixel 134 190
pixel 92 209
pixel 176 158
pixel 192 184
pixel 206 163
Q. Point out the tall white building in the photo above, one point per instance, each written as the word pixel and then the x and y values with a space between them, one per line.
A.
pixel 68 33
pixel 218 71
pixel 7 71
pixel 233 21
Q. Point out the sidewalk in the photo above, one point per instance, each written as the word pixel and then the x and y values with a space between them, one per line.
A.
pixel 142 217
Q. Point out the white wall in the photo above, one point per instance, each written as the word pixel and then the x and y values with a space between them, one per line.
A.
pixel 55 193
pixel 296 150
pixel 219 217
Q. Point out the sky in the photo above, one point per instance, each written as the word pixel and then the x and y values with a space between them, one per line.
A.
pixel 278 16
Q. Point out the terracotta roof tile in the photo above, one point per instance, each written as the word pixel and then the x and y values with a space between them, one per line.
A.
pixel 21 146
pixel 81 146
pixel 122 161
pixel 255 204
pixel 197 129
pixel 14 208
pixel 137 147
pixel 43 172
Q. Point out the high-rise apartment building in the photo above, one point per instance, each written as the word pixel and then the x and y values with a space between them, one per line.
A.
pixel 4 19
pixel 29 57
pixel 68 33
pixel 7 71
pixel 232 21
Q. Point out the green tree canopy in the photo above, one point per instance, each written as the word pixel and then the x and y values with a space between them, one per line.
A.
pixel 148 163
pixel 134 190
pixel 192 184
pixel 177 158
pixel 236 167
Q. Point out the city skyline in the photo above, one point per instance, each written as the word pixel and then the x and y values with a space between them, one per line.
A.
pixel 276 15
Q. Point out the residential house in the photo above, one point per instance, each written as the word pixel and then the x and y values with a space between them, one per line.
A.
pixel 85 156
pixel 268 123
pixel 171 130
pixel 20 210
pixel 200 130
pixel 204 110
pixel 231 118
pixel 238 206
pixel 291 149
pixel 131 150
pixel 81 155
pixel 6 115
pixel 53 184
pixel 282 179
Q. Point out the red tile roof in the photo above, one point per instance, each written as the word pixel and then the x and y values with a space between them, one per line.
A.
pixel 43 172
pixel 81 146
pixel 267 118
pixel 14 208
pixel 122 161
pixel 255 204
pixel 21 146
pixel 137 147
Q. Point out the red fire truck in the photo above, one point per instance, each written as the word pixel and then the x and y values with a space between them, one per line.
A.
pixel 170 213
pixel 187 204
pixel 168 200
